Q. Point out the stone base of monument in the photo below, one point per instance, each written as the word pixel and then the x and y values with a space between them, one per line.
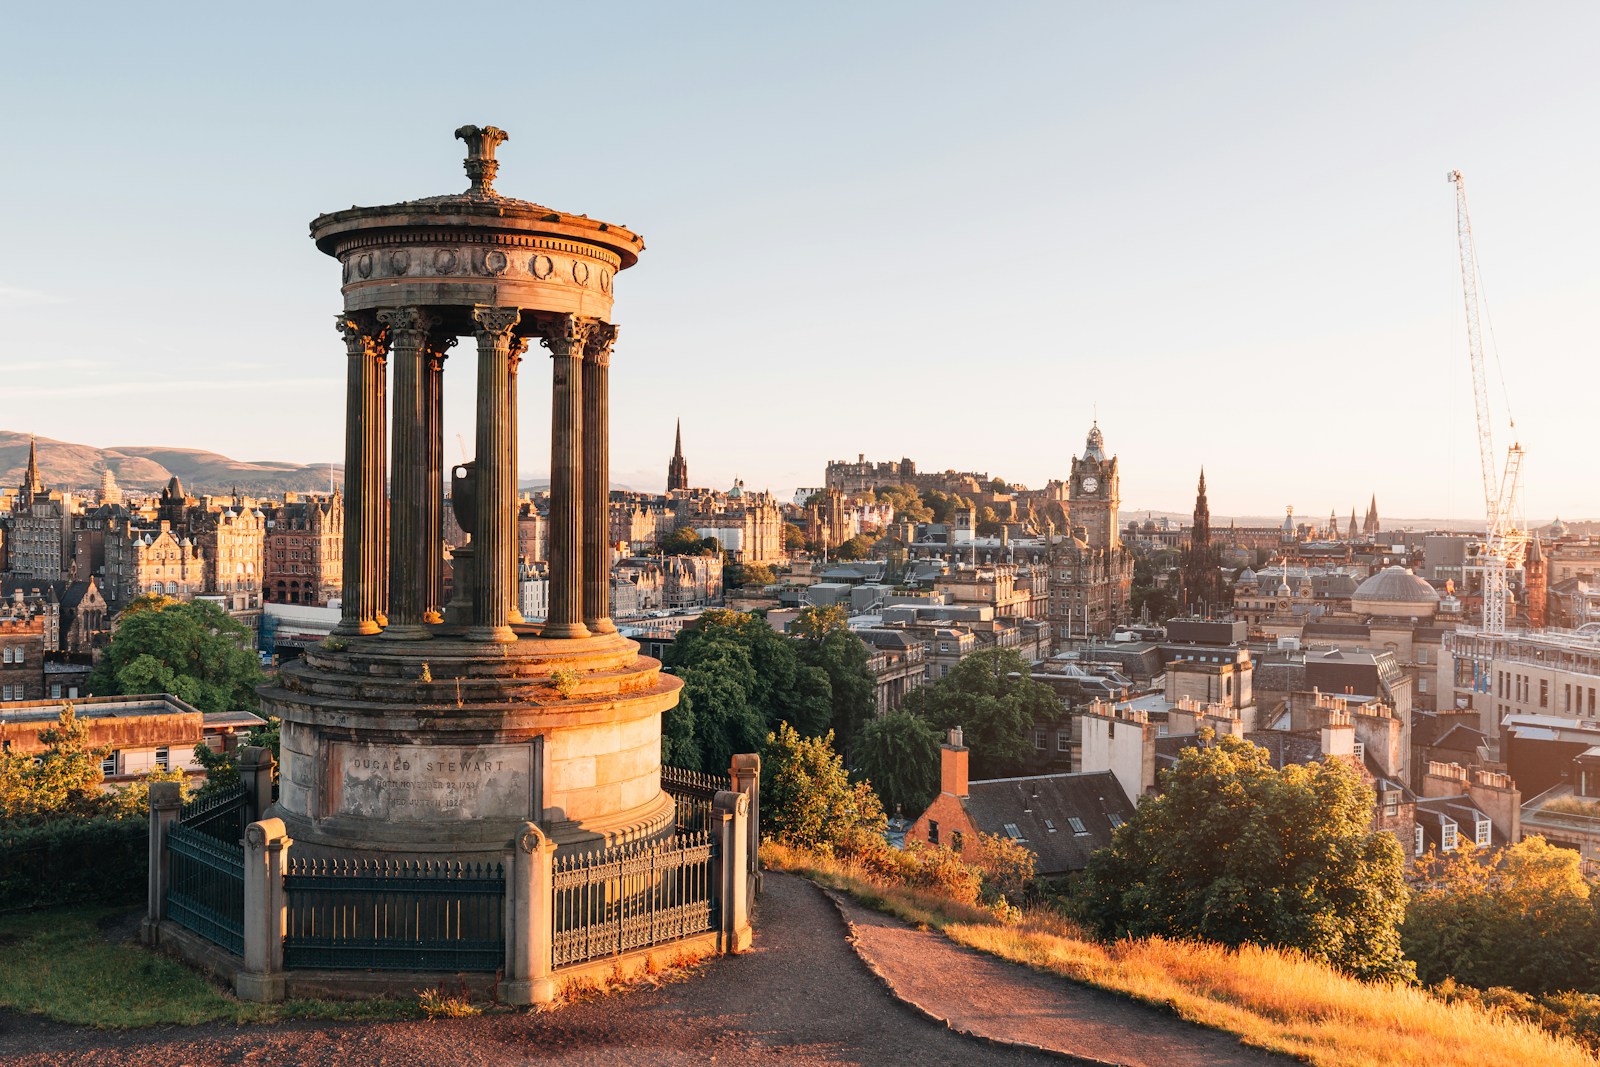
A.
pixel 444 748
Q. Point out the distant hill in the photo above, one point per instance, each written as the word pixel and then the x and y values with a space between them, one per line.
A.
pixel 64 465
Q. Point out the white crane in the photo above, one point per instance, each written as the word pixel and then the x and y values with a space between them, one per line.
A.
pixel 1504 541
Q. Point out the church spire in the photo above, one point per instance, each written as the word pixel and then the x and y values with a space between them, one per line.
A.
pixel 678 469
pixel 1371 527
pixel 33 484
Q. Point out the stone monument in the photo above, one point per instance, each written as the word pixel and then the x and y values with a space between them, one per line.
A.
pixel 437 730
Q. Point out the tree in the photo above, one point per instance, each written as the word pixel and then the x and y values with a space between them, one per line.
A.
pixel 686 541
pixel 898 752
pixel 1524 918
pixel 807 800
pixel 992 697
pixel 825 643
pixel 794 538
pixel 195 651
pixel 908 505
pixel 1237 852
pixel 65 781
pixel 737 574
pixel 858 547
pixel 989 524
pixel 999 485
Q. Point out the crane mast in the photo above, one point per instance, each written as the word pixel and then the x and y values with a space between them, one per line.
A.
pixel 1503 544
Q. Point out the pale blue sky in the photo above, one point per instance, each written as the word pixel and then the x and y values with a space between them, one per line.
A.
pixel 943 231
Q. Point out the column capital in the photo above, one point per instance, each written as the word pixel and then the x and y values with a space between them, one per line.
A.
pixel 438 349
pixel 519 345
pixel 566 335
pixel 362 339
pixel 408 326
pixel 597 348
pixel 495 323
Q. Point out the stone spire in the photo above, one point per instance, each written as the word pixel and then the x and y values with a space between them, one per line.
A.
pixel 33 483
pixel 1355 530
pixel 1201 535
pixel 1371 527
pixel 678 469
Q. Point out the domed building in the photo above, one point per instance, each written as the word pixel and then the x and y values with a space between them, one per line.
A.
pixel 1395 592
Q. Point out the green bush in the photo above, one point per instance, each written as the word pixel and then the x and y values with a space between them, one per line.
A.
pixel 67 860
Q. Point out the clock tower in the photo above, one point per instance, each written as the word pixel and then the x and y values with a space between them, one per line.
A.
pixel 1094 493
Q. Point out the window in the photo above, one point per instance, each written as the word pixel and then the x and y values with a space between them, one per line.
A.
pixel 1480 834
pixel 162 758
pixel 1039 740
pixel 1115 819
pixel 1012 831
pixel 933 832
pixel 1422 655
pixel 1360 750
pixel 1077 825
pixel 5 654
pixel 1391 803
pixel 1416 847
pixel 55 690
pixel 955 840
pixel 1544 692
pixel 1063 741
pixel 1447 838
pixel 1049 824
pixel 108 766
pixel 1422 683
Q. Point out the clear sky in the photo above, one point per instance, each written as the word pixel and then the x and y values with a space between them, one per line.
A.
pixel 953 232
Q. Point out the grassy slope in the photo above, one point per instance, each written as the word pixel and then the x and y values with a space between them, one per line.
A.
pixel 1271 999
pixel 55 963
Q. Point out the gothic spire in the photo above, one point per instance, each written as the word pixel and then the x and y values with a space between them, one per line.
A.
pixel 33 483
pixel 678 469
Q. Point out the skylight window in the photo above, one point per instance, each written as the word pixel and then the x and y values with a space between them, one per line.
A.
pixel 1077 825
pixel 1012 831
pixel 1116 820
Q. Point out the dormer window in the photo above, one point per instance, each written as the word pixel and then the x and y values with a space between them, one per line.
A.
pixel 1447 837
pixel 1481 833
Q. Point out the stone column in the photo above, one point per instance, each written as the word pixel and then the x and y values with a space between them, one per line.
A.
pixel 266 849
pixel 408 546
pixel 745 774
pixel 730 813
pixel 530 919
pixel 433 463
pixel 366 347
pixel 255 773
pixel 496 488
pixel 597 479
pixel 166 802
pixel 519 345
pixel 565 339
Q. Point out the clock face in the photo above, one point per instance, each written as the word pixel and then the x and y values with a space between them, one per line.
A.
pixel 1090 484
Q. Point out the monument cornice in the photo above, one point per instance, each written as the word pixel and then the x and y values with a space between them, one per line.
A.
pixel 415 221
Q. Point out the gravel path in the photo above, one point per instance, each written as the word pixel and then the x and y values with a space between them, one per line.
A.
pixel 801 998
pixel 987 997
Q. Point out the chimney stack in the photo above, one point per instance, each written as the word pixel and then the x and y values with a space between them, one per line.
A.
pixel 953 765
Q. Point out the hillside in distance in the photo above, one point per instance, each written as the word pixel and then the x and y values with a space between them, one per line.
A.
pixel 65 465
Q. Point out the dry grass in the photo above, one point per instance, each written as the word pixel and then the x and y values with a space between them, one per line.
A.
pixel 1271 999
pixel 1574 806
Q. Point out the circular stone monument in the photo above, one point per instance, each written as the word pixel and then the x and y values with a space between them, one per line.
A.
pixel 433 729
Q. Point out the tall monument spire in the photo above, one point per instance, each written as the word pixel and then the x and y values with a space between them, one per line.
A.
pixel 1201 534
pixel 33 484
pixel 678 469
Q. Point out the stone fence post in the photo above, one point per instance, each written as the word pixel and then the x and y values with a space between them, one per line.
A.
pixel 255 771
pixel 266 852
pixel 166 801
pixel 745 774
pixel 730 819
pixel 530 918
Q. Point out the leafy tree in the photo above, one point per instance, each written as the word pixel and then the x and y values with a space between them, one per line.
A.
pixel 807 799
pixel 989 524
pixel 908 505
pixel 686 541
pixel 999 485
pixel 898 752
pixel 66 780
pixel 737 574
pixel 1238 852
pixel 1524 918
pixel 992 697
pixel 222 768
pixel 794 538
pixel 741 678
pixel 825 642
pixel 858 547
pixel 195 651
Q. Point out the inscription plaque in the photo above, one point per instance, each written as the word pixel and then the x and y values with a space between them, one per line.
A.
pixel 412 783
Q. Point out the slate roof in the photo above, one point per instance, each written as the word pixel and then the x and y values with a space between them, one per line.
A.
pixel 1042 808
pixel 1461 738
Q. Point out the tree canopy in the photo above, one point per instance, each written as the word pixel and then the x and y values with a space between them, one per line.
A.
pixel 1235 851
pixel 824 642
pixel 686 541
pixel 898 752
pixel 65 781
pixel 992 697
pixel 858 547
pixel 195 651
pixel 807 800
pixel 794 538
pixel 1523 918
pixel 908 505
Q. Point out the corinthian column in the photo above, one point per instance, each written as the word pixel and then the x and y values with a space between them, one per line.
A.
pixel 433 478
pixel 519 345
pixel 496 488
pixel 363 476
pixel 408 546
pixel 597 479
pixel 565 340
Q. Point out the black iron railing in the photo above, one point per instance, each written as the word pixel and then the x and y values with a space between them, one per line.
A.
pixel 633 896
pixel 693 793
pixel 205 893
pixel 222 815
pixel 395 915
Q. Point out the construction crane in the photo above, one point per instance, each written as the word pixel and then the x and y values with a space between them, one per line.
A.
pixel 1504 542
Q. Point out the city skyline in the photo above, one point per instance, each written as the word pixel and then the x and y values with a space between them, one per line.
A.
pixel 1175 220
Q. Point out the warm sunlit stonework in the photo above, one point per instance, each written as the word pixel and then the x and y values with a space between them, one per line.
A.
pixel 434 728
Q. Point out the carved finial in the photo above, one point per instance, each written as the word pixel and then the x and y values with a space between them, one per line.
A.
pixel 480 162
